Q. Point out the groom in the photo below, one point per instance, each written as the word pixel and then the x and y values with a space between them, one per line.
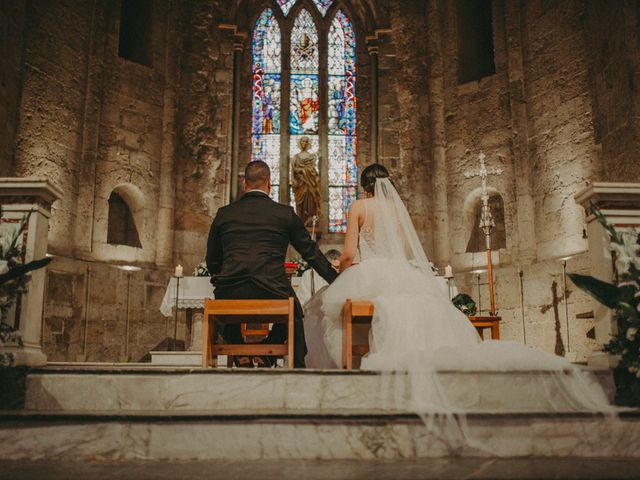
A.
pixel 246 251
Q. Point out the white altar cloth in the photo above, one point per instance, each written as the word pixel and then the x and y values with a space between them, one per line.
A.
pixel 193 291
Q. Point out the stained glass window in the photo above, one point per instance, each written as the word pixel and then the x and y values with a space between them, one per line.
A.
pixel 265 128
pixel 304 76
pixel 304 97
pixel 338 80
pixel 323 5
pixel 343 174
pixel 285 5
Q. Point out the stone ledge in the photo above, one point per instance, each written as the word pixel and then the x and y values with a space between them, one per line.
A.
pixel 286 391
pixel 363 416
pixel 368 437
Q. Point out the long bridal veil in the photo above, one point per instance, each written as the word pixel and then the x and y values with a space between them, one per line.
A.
pixel 426 356
pixel 415 310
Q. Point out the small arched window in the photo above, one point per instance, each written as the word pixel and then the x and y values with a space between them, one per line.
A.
pixel 135 31
pixel 476 56
pixel 121 229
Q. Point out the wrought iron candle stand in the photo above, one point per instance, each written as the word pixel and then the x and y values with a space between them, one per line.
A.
pixel 486 222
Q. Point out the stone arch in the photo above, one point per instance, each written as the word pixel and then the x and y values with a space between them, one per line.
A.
pixel 367 14
pixel 472 209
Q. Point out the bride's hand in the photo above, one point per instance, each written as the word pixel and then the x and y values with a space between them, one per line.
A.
pixel 350 247
pixel 345 262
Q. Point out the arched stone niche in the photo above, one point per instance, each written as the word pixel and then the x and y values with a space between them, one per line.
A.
pixel 472 211
pixel 143 218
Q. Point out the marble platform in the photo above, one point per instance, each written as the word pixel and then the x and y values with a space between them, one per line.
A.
pixel 133 413
pixel 244 436
pixel 531 468
pixel 144 388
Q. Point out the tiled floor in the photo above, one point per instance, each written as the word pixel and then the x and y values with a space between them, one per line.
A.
pixel 441 469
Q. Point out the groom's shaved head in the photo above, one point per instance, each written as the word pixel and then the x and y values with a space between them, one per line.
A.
pixel 257 174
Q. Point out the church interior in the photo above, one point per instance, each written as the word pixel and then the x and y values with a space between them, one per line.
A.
pixel 139 117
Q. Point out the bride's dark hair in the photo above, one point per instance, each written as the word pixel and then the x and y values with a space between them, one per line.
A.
pixel 370 174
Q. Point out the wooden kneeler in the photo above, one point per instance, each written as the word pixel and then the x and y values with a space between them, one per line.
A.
pixel 245 311
pixel 360 312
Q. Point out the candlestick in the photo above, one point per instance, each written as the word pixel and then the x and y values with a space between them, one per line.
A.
pixel 179 271
pixel 172 344
pixel 448 271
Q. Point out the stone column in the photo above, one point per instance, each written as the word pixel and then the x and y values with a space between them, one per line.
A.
pixel 372 47
pixel 435 82
pixel 18 196
pixel 525 213
pixel 238 48
pixel 620 204
pixel 166 198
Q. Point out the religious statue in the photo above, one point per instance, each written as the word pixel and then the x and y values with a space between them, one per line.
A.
pixel 305 182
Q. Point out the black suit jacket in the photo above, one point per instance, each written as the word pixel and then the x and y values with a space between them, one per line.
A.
pixel 248 243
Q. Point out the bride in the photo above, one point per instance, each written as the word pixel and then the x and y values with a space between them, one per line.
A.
pixel 415 330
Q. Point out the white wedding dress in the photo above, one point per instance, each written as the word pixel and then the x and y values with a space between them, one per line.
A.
pixel 416 330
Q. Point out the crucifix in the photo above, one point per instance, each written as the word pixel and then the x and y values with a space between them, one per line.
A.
pixel 486 220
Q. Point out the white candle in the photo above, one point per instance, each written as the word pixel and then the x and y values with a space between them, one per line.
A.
pixel 178 272
pixel 448 271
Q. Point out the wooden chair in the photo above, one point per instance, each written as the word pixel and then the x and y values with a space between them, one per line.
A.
pixel 487 322
pixel 359 312
pixel 245 311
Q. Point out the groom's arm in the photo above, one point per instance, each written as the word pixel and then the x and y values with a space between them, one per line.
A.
pixel 214 247
pixel 301 241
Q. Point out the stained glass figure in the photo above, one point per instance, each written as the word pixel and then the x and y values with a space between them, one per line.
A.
pixel 341 111
pixel 265 126
pixel 294 149
pixel 285 5
pixel 304 94
pixel 323 5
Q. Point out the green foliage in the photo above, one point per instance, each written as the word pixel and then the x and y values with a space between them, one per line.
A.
pixel 13 279
pixel 302 266
pixel 622 297
pixel 465 304
pixel 603 292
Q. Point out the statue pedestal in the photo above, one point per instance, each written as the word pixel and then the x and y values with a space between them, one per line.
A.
pixel 620 204
pixel 18 197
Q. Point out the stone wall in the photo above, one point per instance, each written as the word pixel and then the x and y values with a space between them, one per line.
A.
pixel 92 123
pixel 96 312
pixel 203 144
pixel 536 292
pixel 611 35
pixel 404 114
pixel 12 18
pixel 50 133
pixel 563 152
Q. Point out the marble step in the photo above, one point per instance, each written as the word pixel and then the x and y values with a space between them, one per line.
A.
pixel 140 389
pixel 200 436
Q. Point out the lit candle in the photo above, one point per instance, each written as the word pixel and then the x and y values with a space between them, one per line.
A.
pixel 178 272
pixel 448 271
